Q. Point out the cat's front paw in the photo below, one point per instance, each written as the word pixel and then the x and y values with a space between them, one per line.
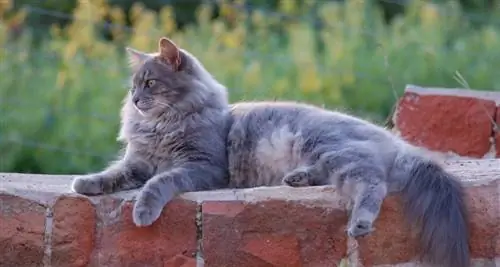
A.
pixel 147 209
pixel 297 178
pixel 360 228
pixel 87 185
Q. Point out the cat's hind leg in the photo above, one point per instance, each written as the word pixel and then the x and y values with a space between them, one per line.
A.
pixel 311 175
pixel 367 201
pixel 119 176
pixel 300 177
pixel 358 174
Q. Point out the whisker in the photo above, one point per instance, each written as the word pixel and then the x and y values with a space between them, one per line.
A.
pixel 163 104
pixel 139 110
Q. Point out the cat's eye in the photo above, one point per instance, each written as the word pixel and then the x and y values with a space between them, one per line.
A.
pixel 150 83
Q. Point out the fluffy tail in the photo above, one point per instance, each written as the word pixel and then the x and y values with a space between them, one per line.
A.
pixel 434 202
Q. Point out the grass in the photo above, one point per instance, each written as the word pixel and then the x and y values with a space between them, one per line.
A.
pixel 60 99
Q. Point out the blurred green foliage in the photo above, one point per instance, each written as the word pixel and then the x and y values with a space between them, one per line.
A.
pixel 60 99
pixel 185 10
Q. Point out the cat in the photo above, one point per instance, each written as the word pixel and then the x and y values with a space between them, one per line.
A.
pixel 297 144
pixel 174 126
pixel 250 144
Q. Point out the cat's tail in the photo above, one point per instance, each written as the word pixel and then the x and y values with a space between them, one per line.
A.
pixel 434 203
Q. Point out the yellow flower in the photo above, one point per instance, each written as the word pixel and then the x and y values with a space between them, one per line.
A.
pixel 429 15
pixel 117 17
pixel 5 5
pixel 69 51
pixel 287 6
pixel 309 80
pixel 167 20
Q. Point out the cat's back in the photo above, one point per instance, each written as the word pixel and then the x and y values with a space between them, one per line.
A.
pixel 266 114
pixel 276 122
pixel 261 117
pixel 271 107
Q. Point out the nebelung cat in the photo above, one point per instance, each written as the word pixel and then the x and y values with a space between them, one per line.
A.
pixel 181 136
pixel 174 126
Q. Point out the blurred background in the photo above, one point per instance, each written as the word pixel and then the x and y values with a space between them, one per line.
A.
pixel 63 71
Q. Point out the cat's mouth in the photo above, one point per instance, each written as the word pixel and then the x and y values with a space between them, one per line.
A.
pixel 142 110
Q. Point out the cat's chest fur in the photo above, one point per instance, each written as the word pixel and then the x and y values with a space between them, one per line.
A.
pixel 160 143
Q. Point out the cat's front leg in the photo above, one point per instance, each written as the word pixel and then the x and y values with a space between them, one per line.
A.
pixel 163 187
pixel 119 176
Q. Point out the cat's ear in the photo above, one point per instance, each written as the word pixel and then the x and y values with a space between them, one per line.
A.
pixel 169 52
pixel 136 58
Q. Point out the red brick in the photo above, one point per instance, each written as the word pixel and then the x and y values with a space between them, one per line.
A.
pixel 484 222
pixel 497 133
pixel 22 228
pixel 391 241
pixel 225 208
pixel 277 249
pixel 122 244
pixel 73 232
pixel 180 261
pixel 446 123
pixel 272 233
pixel 497 237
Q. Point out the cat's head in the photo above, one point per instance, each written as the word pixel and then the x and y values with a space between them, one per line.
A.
pixel 171 80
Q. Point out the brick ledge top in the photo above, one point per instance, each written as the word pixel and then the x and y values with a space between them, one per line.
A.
pixel 46 188
pixel 460 92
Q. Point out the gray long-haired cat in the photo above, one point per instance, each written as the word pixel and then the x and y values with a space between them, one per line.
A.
pixel 175 124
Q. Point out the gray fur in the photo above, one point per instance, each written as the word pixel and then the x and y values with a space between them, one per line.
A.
pixel 175 134
pixel 274 143
pixel 181 135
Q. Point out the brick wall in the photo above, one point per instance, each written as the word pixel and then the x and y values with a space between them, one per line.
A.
pixel 458 122
pixel 43 224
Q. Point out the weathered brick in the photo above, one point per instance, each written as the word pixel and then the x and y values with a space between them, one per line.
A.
pixel 484 220
pixel 497 237
pixel 391 241
pixel 22 227
pixel 272 233
pixel 497 133
pixel 121 243
pixel 300 229
pixel 446 123
pixel 73 232
pixel 180 261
